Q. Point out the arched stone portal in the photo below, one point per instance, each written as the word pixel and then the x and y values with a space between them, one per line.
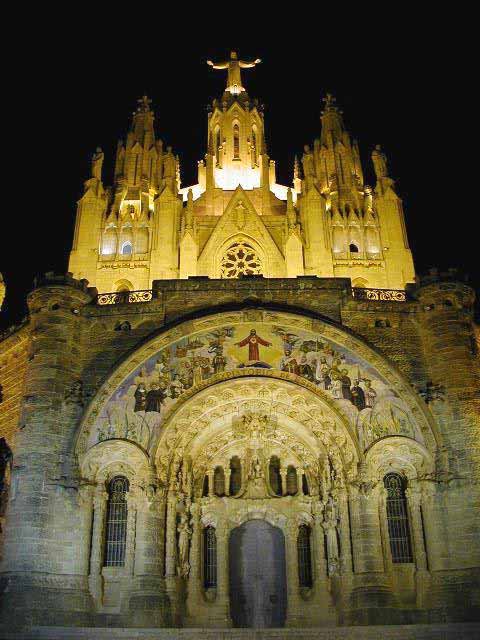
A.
pixel 228 427
pixel 258 588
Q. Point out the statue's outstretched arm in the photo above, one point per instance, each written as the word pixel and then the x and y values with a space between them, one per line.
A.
pixel 218 65
pixel 245 64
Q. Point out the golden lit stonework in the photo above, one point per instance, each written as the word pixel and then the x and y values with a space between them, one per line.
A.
pixel 243 409
pixel 240 259
pixel 334 225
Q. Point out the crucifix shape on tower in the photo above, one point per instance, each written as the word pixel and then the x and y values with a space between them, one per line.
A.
pixel 144 104
pixel 234 80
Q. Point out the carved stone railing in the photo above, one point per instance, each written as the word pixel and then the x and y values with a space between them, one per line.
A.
pixel 125 297
pixel 381 295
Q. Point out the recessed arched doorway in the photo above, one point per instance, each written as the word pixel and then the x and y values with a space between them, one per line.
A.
pixel 258 583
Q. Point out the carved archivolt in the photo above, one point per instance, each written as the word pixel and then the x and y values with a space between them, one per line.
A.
pixel 112 457
pixel 312 422
pixel 306 428
pixel 400 455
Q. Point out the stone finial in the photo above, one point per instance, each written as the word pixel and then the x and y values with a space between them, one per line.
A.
pixel 330 103
pixel 144 104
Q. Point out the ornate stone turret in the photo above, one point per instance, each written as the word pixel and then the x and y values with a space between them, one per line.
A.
pixel 119 226
pixel 52 407
pixel 351 231
pixel 236 132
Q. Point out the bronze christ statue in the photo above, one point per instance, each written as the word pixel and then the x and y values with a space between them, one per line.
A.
pixel 234 80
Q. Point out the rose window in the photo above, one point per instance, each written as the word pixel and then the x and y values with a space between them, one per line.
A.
pixel 240 259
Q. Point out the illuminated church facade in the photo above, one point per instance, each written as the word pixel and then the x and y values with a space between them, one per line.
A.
pixel 241 407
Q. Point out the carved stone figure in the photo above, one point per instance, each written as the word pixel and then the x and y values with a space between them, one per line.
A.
pixel 330 528
pixel 234 80
pixel 184 535
pixel 379 160
pixel 308 166
pixel 169 164
pixel 97 164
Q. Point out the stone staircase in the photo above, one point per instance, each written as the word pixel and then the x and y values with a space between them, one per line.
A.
pixel 460 631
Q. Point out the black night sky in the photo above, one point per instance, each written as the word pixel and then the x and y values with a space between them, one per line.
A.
pixel 83 88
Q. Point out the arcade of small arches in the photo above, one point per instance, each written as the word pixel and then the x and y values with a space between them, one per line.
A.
pixel 253 449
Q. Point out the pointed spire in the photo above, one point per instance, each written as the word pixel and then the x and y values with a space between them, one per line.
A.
pixel 142 123
pixel 291 213
pixel 189 211
pixel 297 179
pixel 296 168
pixel 332 122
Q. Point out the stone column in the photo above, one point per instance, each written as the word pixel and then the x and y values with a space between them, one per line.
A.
pixel 300 481
pixel 441 591
pixel 171 582
pixel 320 563
pixel 385 537
pixel 85 503
pixel 323 613
pixel 147 601
pixel 371 593
pixel 211 489
pixel 195 575
pixel 132 497
pixel 422 576
pixel 228 473
pixel 222 602
pixel 435 531
pixel 295 603
pixel 170 542
pixel 283 475
pixel 344 531
pixel 95 580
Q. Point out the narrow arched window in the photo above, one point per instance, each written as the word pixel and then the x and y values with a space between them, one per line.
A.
pixel 305 489
pixel 205 487
pixel 304 557
pixel 116 524
pixel 254 145
pixel 274 475
pixel 209 558
pixel 353 248
pixel 235 475
pixel 218 143
pixel 219 481
pixel 397 518
pixel 127 248
pixel 292 481
pixel 236 141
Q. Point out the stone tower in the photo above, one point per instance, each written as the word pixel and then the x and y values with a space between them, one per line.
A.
pixel 329 223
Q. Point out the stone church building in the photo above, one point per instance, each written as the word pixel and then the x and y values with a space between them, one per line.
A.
pixel 240 407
